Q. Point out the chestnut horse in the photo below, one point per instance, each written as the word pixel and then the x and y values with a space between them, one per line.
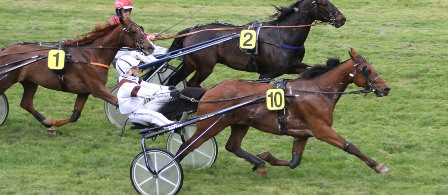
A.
pixel 86 66
pixel 280 43
pixel 308 112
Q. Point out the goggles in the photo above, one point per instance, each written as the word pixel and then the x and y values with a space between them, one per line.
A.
pixel 127 10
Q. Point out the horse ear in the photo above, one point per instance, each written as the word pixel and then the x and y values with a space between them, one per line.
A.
pixel 352 53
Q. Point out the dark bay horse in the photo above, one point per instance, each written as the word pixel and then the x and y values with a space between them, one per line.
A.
pixel 86 66
pixel 308 113
pixel 280 43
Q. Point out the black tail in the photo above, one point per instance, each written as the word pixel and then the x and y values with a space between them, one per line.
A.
pixel 182 103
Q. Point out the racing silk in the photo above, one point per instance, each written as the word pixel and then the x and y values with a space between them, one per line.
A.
pixel 135 54
pixel 132 92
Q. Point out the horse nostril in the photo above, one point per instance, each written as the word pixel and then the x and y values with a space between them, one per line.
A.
pixel 343 21
pixel 386 91
pixel 340 22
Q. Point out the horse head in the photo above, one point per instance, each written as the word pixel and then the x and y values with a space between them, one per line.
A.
pixel 365 76
pixel 322 10
pixel 136 37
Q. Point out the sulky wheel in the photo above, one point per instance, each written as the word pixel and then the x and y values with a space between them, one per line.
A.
pixel 202 157
pixel 113 113
pixel 4 108
pixel 169 177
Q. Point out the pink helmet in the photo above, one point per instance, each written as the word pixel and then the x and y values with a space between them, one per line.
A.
pixel 125 4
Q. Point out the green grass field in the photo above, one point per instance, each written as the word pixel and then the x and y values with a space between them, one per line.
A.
pixel 406 40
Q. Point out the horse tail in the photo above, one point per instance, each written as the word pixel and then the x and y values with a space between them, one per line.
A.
pixel 178 42
pixel 182 102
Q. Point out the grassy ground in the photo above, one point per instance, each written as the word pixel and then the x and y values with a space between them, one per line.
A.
pixel 406 41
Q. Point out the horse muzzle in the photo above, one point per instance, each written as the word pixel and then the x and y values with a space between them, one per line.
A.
pixel 382 92
pixel 148 50
pixel 339 21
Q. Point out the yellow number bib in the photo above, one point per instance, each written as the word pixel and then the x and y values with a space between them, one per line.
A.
pixel 56 59
pixel 275 99
pixel 248 39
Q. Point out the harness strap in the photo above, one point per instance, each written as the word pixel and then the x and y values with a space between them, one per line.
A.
pixel 292 47
pixel 280 83
pixel 61 73
pixel 252 52
pixel 99 64
pixel 253 62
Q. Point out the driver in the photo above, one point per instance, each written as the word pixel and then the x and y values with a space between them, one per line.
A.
pixel 132 92
pixel 123 8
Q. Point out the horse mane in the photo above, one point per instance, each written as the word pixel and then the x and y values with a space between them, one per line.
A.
pixel 320 69
pixel 283 12
pixel 98 31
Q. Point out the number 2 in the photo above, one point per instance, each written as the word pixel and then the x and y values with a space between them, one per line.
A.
pixel 246 43
pixel 248 39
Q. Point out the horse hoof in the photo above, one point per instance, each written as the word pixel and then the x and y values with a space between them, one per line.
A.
pixel 48 121
pixel 261 171
pixel 263 155
pixel 381 168
pixel 52 131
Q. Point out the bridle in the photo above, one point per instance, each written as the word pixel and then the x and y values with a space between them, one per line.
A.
pixel 365 72
pixel 139 42
pixel 332 14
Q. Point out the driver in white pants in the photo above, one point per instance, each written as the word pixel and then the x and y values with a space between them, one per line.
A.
pixel 132 92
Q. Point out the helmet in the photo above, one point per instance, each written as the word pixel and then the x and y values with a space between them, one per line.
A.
pixel 125 4
pixel 125 63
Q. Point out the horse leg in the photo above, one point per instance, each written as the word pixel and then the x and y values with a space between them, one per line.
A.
pixel 234 145
pixel 297 152
pixel 204 67
pixel 100 91
pixel 181 74
pixel 327 134
pixel 29 90
pixel 296 68
pixel 266 76
pixel 79 105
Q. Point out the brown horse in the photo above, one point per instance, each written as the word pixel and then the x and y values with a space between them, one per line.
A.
pixel 86 66
pixel 308 111
pixel 280 43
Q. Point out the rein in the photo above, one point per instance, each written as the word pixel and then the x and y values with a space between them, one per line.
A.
pixel 329 92
pixel 234 28
pixel 220 100
pixel 191 15
pixel 33 59
pixel 286 95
